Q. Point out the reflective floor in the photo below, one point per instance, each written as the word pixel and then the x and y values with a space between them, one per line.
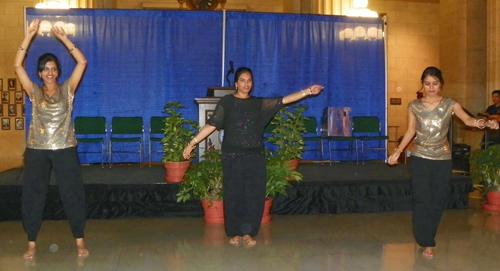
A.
pixel 467 240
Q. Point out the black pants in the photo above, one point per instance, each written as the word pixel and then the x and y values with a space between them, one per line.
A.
pixel 244 183
pixel 430 181
pixel 66 166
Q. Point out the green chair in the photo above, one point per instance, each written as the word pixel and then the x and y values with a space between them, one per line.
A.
pixel 349 140
pixel 91 130
pixel 156 125
pixel 312 135
pixel 126 130
pixel 369 129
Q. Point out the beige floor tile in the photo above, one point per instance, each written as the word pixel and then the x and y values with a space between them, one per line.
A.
pixel 467 240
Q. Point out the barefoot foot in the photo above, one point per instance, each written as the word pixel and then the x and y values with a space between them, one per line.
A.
pixel 235 241
pixel 428 252
pixel 82 250
pixel 31 252
pixel 249 241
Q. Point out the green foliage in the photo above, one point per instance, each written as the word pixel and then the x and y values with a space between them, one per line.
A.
pixel 203 179
pixel 278 171
pixel 288 132
pixel 177 133
pixel 485 168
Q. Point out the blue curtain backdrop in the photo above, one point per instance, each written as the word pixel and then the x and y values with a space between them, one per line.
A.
pixel 139 60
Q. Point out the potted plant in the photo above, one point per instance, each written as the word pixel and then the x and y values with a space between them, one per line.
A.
pixel 204 182
pixel 278 174
pixel 485 170
pixel 288 132
pixel 177 132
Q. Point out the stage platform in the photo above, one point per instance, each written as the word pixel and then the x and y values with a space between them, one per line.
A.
pixel 131 191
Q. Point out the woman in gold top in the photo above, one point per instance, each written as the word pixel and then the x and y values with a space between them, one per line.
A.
pixel 430 167
pixel 51 143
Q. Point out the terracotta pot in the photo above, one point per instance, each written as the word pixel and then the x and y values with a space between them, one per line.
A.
pixel 294 164
pixel 266 216
pixel 493 198
pixel 174 171
pixel 214 211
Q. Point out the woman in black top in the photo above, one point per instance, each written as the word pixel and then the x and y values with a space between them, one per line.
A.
pixel 243 119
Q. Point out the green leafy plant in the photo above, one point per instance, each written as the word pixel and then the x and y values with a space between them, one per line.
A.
pixel 485 168
pixel 288 131
pixel 203 179
pixel 178 131
pixel 278 171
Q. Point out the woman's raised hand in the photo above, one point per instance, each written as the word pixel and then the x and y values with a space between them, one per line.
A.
pixel 33 28
pixel 59 32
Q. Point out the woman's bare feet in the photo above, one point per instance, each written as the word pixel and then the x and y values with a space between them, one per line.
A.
pixel 428 252
pixel 235 241
pixel 249 241
pixel 82 250
pixel 31 252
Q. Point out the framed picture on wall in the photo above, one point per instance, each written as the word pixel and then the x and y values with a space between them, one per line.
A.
pixel 12 83
pixel 23 109
pixel 18 98
pixel 1 84
pixel 1 110
pixel 5 124
pixel 19 124
pixel 12 110
pixel 5 97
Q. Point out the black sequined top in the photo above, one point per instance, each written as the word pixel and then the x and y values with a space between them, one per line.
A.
pixel 243 121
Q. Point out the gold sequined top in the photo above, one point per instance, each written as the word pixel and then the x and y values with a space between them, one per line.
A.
pixel 51 127
pixel 431 140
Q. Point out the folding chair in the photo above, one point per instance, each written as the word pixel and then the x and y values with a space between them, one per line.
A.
pixel 156 125
pixel 91 130
pixel 126 130
pixel 312 135
pixel 367 129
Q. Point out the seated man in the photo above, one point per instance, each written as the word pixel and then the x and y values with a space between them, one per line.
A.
pixel 493 113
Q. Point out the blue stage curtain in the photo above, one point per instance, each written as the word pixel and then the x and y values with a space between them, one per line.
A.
pixel 139 60
pixel 288 53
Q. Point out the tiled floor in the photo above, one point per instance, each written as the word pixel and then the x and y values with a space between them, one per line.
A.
pixel 467 240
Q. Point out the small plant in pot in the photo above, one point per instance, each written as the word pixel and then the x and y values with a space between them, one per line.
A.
pixel 287 135
pixel 485 170
pixel 177 132
pixel 204 182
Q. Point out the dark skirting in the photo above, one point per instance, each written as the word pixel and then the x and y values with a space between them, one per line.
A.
pixel 121 192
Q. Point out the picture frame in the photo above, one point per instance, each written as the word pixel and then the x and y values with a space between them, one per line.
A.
pixel 1 110
pixel 19 97
pixel 5 123
pixel 12 109
pixel 12 83
pixel 23 109
pixel 5 97
pixel 19 123
pixel 1 84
